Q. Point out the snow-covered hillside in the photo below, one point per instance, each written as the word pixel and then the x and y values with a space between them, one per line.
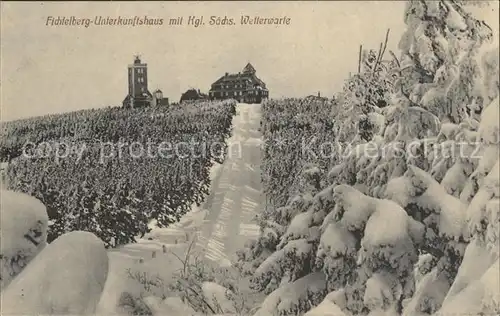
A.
pixel 218 228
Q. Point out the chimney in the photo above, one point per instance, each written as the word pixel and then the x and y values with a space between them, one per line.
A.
pixel 319 94
pixel 227 73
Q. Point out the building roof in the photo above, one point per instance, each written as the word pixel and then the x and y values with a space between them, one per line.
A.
pixel 248 73
pixel 249 69
pixel 147 94
pixel 315 97
pixel 127 99
pixel 260 82
pixel 193 93
pixel 233 77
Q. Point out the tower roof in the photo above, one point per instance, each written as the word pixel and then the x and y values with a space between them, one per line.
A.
pixel 249 69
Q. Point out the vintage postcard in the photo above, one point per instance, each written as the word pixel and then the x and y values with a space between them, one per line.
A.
pixel 250 158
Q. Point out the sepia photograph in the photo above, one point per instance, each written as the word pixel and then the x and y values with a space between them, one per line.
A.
pixel 250 158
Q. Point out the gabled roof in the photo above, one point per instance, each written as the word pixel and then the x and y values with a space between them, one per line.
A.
pixel 147 94
pixel 249 69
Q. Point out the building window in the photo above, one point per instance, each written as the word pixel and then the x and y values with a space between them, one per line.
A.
pixel 241 92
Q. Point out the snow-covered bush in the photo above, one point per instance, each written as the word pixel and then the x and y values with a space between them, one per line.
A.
pixel 295 297
pixel 195 284
pixel 66 278
pixel 381 237
pixel 483 219
pixel 133 305
pixel 23 232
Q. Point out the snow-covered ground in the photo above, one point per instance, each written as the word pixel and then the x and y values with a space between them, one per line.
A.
pixel 221 225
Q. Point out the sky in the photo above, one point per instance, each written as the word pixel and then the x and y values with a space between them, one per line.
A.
pixel 53 69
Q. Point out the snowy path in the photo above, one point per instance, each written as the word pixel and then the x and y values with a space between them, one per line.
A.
pixel 236 195
pixel 221 225
pixel 224 222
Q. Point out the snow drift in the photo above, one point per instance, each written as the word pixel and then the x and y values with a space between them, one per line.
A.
pixel 24 222
pixel 67 277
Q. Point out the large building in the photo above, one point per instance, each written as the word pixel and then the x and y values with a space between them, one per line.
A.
pixel 244 86
pixel 138 93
